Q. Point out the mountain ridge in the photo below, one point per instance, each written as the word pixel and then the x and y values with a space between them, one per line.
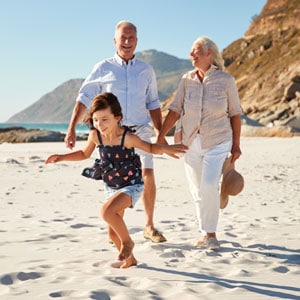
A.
pixel 264 63
pixel 57 105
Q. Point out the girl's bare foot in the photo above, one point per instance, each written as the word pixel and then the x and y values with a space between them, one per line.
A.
pixel 126 250
pixel 129 262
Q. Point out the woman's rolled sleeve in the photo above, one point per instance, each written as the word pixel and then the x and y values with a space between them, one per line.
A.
pixel 234 105
pixel 177 103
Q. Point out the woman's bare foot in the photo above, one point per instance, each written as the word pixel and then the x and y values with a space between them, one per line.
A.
pixel 129 262
pixel 126 250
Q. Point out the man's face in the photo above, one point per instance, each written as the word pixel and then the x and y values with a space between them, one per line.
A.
pixel 125 41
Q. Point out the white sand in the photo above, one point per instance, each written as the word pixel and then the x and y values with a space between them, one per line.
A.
pixel 54 244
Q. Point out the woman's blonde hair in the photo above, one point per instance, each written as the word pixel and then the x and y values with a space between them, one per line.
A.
pixel 206 44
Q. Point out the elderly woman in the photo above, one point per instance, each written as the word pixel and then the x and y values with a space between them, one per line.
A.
pixel 208 104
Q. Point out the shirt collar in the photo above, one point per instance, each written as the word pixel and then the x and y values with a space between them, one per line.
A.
pixel 211 69
pixel 121 62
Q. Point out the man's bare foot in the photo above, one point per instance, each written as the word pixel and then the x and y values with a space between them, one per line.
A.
pixel 129 262
pixel 126 250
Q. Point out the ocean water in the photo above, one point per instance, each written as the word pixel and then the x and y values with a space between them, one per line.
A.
pixel 80 129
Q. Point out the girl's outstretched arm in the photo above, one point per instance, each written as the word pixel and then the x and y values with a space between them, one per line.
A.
pixel 171 150
pixel 132 140
pixel 77 155
pixel 74 156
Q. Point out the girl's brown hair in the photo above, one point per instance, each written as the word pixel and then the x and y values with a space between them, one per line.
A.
pixel 103 101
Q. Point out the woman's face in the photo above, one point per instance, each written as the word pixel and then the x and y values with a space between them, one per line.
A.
pixel 105 121
pixel 200 58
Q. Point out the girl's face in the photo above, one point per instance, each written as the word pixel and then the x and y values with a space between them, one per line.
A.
pixel 105 121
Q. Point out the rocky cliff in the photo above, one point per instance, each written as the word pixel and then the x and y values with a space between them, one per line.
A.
pixel 266 65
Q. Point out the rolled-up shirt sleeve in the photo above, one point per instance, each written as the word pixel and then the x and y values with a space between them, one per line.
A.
pixel 90 87
pixel 177 103
pixel 234 105
pixel 152 100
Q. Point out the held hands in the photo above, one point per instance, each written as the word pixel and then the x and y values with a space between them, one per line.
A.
pixel 161 141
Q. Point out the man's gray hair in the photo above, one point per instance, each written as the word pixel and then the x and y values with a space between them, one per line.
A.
pixel 127 24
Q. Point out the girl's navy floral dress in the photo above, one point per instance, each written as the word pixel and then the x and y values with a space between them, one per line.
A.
pixel 120 166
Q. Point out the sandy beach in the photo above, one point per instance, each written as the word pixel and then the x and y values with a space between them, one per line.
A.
pixel 54 244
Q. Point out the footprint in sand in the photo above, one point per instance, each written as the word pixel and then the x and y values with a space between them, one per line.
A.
pixel 61 294
pixel 281 269
pixel 99 295
pixel 9 279
pixel 11 161
pixel 35 158
pixel 172 253
pixel 79 225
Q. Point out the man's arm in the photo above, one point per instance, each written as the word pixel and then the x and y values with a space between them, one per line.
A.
pixel 77 115
pixel 156 117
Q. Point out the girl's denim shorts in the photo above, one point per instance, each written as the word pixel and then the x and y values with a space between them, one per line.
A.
pixel 135 191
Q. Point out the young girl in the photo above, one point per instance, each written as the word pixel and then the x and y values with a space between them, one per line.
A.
pixel 121 167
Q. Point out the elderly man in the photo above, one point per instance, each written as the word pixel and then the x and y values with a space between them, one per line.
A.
pixel 134 84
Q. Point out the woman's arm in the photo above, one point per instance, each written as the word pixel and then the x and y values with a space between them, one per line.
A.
pixel 168 123
pixel 235 122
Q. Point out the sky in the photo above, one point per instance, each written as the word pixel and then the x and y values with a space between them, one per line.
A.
pixel 44 43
